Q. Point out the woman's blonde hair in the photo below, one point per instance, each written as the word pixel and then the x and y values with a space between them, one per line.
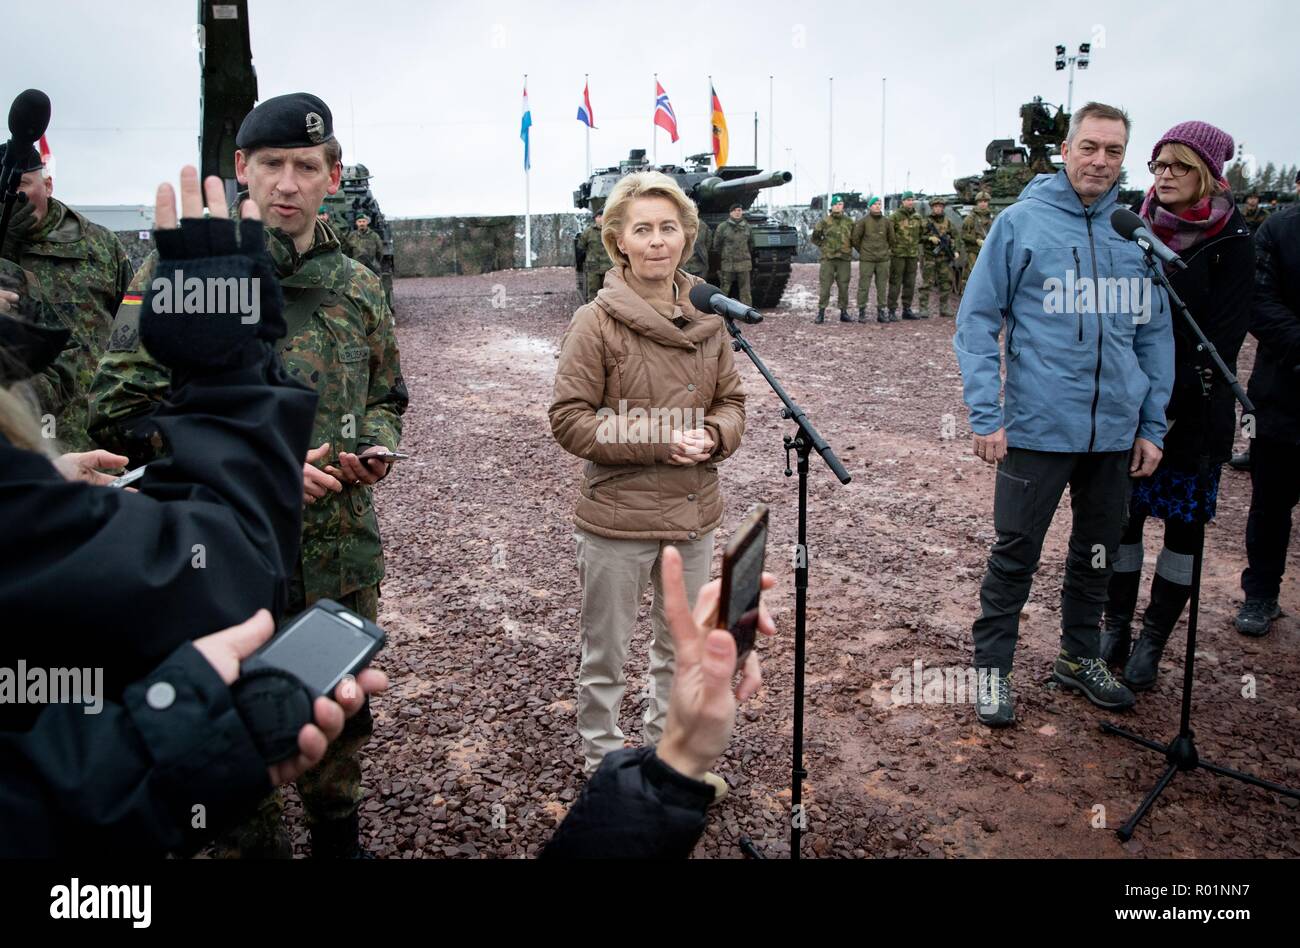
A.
pixel 640 185
pixel 1190 158
pixel 18 421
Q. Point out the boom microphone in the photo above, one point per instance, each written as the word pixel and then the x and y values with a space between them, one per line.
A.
pixel 707 298
pixel 1131 227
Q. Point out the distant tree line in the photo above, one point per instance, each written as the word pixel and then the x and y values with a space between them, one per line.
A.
pixel 1269 177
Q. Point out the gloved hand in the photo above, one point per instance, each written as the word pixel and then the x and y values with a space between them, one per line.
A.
pixel 22 224
pixel 240 306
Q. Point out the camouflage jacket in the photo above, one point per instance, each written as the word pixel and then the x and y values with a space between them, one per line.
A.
pixel 697 264
pixel 873 238
pixel 907 232
pixel 366 249
pixel 974 229
pixel 734 241
pixel 597 258
pixel 834 235
pixel 346 350
pixel 83 271
pixel 938 238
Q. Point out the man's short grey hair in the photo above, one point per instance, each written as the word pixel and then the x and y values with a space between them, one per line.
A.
pixel 1097 110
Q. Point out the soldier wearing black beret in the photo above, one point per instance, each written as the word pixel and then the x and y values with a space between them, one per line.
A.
pixel 341 343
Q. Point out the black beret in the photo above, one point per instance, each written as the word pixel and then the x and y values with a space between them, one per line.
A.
pixel 296 120
pixel 33 162
pixel 735 207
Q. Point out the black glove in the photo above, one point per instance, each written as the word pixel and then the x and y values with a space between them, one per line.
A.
pixel 21 226
pixel 274 705
pixel 241 308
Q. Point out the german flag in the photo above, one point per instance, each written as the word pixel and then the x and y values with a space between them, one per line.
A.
pixel 132 299
pixel 719 131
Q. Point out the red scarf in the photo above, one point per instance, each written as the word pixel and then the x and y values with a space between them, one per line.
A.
pixel 1200 222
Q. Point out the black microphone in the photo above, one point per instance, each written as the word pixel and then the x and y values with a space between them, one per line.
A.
pixel 1131 227
pixel 29 117
pixel 707 298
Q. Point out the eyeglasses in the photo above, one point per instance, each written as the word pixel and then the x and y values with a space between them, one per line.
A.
pixel 1175 168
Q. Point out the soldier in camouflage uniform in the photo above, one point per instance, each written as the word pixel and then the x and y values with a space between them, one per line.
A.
pixel 975 229
pixel 341 343
pixel 83 271
pixel 364 246
pixel 1254 215
pixel 907 247
pixel 697 264
pixel 595 259
pixel 939 241
pixel 834 236
pixel 734 241
pixel 873 239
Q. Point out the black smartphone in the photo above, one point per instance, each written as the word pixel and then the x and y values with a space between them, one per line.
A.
pixel 322 646
pixel 742 577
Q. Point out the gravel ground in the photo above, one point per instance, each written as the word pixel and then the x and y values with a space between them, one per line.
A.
pixel 476 753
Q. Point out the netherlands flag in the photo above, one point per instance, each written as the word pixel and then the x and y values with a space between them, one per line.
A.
pixel 664 115
pixel 584 111
pixel 524 126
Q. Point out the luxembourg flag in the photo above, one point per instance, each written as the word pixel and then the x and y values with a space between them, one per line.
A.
pixel 584 111
pixel 664 116
pixel 523 128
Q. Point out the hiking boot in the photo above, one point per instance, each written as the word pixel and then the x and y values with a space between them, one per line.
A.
pixel 993 704
pixel 1240 462
pixel 845 317
pixel 719 785
pixel 821 316
pixel 908 314
pixel 881 315
pixel 862 316
pixel 1094 679
pixel 1256 615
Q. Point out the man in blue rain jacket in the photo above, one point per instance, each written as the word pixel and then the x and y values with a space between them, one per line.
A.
pixel 1089 371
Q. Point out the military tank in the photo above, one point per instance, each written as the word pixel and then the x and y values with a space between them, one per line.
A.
pixel 354 199
pixel 775 244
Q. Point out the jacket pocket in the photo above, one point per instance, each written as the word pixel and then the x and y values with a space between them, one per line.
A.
pixel 1013 503
pixel 602 476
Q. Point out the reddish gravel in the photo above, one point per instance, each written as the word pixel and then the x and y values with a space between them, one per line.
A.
pixel 476 754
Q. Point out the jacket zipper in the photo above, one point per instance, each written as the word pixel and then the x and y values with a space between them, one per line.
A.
pixel 1078 269
pixel 1096 379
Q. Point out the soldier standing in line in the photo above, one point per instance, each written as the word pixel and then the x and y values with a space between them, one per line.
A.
pixel 83 272
pixel 834 236
pixel 873 239
pixel 937 261
pixel 364 246
pixel 595 258
pixel 1254 215
pixel 906 248
pixel 735 242
pixel 341 343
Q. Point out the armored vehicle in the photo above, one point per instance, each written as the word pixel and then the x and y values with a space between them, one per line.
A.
pixel 354 199
pixel 775 244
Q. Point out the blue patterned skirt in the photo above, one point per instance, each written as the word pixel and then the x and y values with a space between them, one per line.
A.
pixel 1185 496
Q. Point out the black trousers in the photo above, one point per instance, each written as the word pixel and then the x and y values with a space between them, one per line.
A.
pixel 1275 490
pixel 1028 490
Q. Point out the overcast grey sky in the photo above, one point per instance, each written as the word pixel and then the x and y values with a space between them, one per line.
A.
pixel 428 94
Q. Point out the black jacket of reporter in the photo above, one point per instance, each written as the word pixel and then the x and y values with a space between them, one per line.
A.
pixel 98 577
pixel 1218 287
pixel 1275 323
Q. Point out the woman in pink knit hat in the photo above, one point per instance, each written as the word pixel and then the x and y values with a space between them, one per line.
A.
pixel 1190 207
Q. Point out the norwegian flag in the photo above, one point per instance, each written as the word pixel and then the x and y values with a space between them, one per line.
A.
pixel 665 118
pixel 585 115
pixel 44 151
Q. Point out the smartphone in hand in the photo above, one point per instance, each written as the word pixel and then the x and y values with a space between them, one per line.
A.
pixel 321 646
pixel 742 577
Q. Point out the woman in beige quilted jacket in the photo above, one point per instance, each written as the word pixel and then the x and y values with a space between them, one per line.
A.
pixel 646 391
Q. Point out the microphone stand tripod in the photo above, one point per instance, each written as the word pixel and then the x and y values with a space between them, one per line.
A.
pixel 803 442
pixel 1181 753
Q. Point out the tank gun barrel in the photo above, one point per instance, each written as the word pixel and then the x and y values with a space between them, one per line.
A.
pixel 750 184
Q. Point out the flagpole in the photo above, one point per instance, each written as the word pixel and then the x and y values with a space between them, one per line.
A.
pixel 769 140
pixel 528 220
pixel 882 138
pixel 654 152
pixel 715 157
pixel 830 142
pixel 585 91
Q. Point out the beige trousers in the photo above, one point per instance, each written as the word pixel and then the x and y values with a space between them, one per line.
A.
pixel 614 574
